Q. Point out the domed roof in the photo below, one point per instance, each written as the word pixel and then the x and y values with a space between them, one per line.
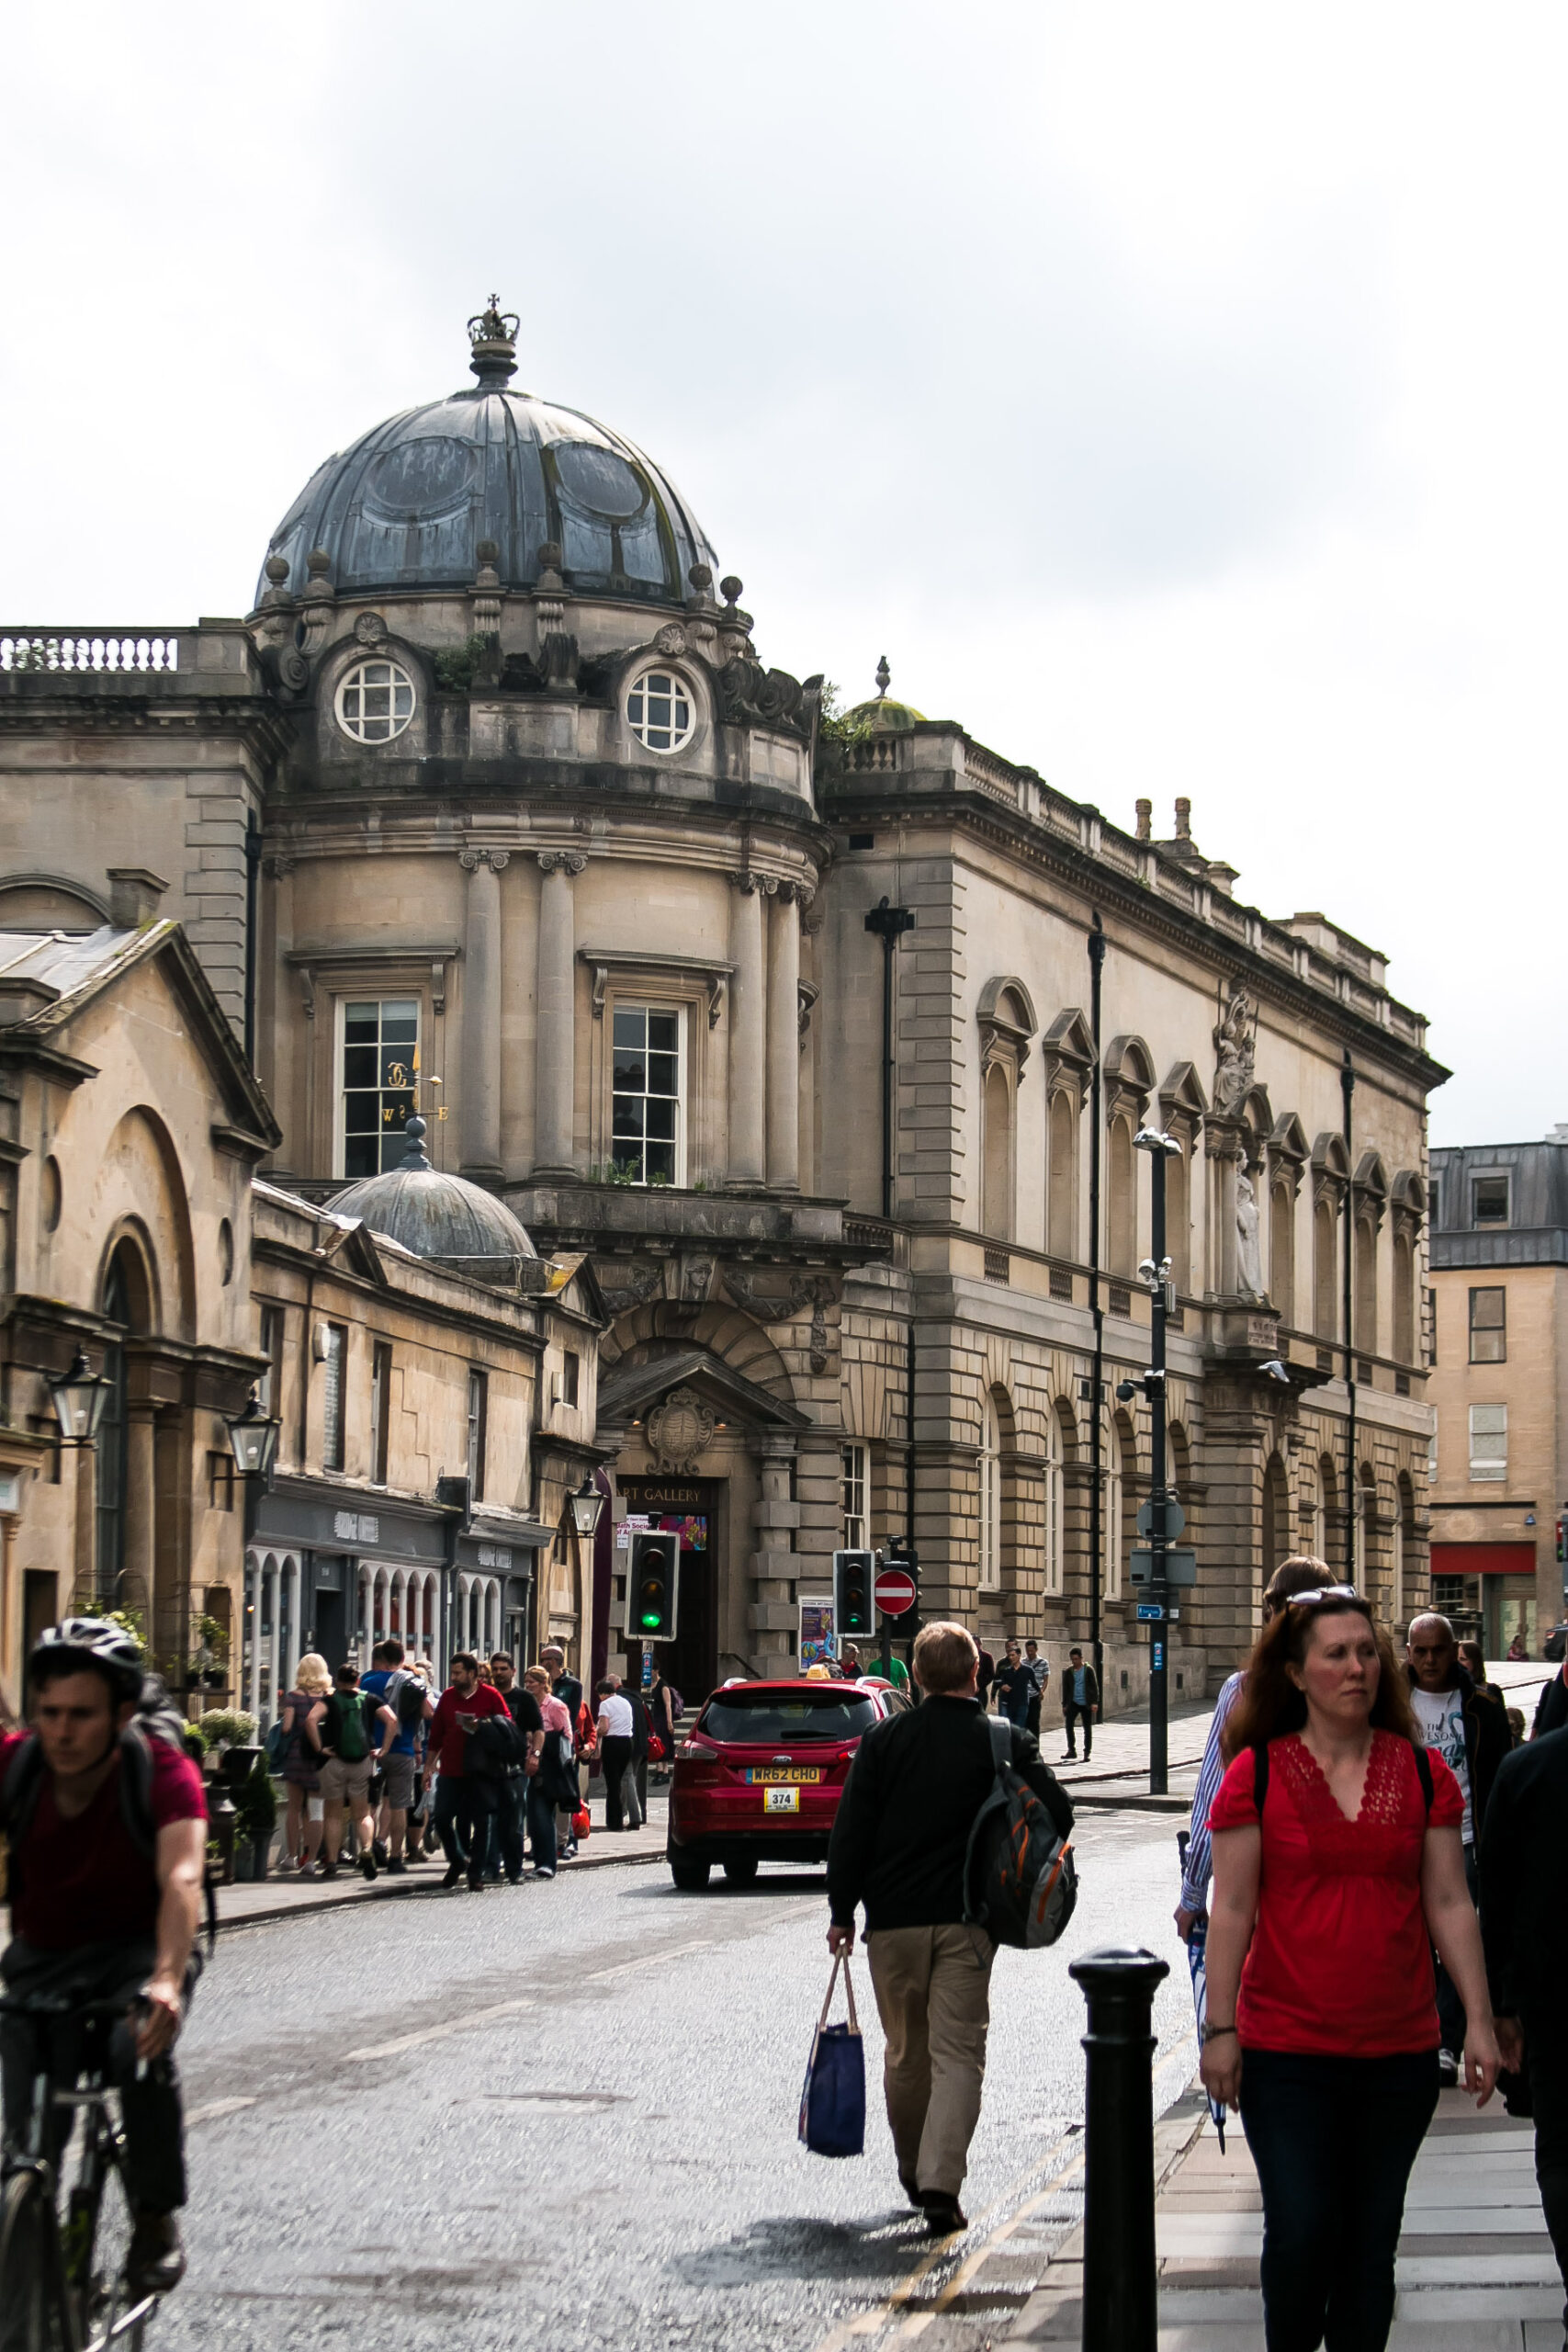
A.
pixel 407 504
pixel 882 714
pixel 438 1216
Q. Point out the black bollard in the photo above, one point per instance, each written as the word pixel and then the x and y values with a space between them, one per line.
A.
pixel 1121 2302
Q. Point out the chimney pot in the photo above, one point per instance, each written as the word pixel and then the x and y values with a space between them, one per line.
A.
pixel 134 894
pixel 1145 809
pixel 1184 820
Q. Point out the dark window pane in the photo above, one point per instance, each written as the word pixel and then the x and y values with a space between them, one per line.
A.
pixel 661 1162
pixel 661 1120
pixel 359 1156
pixel 662 1074
pixel 359 1066
pixel 361 1113
pixel 628 1114
pixel 664 1032
pixel 631 1073
pixel 631 1026
pixel 360 1026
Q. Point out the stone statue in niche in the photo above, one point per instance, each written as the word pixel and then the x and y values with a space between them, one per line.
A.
pixel 1236 1051
pixel 1248 1250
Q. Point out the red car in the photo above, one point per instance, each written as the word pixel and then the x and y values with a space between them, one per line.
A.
pixel 758 1776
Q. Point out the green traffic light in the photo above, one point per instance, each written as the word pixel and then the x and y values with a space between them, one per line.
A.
pixel 651 1617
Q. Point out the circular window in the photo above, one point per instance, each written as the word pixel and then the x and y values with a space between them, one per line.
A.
pixel 375 701
pixel 659 710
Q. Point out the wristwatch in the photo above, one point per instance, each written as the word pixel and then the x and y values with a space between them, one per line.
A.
pixel 1215 2032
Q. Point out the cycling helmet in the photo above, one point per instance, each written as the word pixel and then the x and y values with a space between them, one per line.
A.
pixel 92 1641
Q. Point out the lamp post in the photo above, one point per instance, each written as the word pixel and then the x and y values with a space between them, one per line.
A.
pixel 587 1504
pixel 1155 1271
pixel 79 1398
pixel 253 1440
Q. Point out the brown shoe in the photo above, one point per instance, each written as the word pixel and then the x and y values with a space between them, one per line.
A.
pixel 156 2261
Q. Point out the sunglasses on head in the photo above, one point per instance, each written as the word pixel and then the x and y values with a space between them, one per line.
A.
pixel 1322 1593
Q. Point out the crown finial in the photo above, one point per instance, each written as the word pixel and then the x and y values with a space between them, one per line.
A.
pixel 493 335
pixel 413 1136
pixel 884 679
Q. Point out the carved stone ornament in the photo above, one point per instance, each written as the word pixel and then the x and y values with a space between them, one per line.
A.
pixel 639 1285
pixel 1235 1049
pixel 561 861
pixel 671 640
pixel 680 1429
pixel 751 696
pixel 370 628
pixel 498 860
pixel 293 671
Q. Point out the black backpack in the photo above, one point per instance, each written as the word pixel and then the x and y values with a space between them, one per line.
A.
pixel 1261 1775
pixel 496 1748
pixel 156 1717
pixel 407 1695
pixel 1019 1881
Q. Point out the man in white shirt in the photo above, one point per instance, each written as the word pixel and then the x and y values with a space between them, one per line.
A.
pixel 617 1749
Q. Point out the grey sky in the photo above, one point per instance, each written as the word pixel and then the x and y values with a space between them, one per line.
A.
pixel 1175 396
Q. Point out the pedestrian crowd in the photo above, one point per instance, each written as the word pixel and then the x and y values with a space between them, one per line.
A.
pixel 1367 1911
pixel 386 1770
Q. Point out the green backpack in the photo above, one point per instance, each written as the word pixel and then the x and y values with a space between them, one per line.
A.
pixel 346 1733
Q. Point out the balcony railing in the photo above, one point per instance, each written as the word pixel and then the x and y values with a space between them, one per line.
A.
pixel 32 650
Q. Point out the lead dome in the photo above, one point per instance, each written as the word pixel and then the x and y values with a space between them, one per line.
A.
pixel 407 504
pixel 442 1217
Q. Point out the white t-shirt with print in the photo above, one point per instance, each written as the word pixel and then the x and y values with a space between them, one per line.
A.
pixel 1440 1718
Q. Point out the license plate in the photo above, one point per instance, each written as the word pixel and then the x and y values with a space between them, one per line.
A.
pixel 783 1776
pixel 781 1800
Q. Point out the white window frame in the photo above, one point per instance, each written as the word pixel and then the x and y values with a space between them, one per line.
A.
pixel 1113 1513
pixel 355 680
pixel 990 1572
pixel 1054 1489
pixel 376 995
pixel 1489 1430
pixel 630 1003
pixel 853 1496
pixel 682 694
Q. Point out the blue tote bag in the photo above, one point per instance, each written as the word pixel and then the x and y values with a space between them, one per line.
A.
pixel 833 2104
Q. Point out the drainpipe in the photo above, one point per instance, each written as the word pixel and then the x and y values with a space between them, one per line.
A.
pixel 1097 1316
pixel 889 923
pixel 1352 1488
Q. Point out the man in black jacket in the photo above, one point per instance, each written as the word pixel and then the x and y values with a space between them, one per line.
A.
pixel 1472 1737
pixel 897 1847
pixel 1524 1927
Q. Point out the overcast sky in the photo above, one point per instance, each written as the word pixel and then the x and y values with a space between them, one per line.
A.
pixel 1175 396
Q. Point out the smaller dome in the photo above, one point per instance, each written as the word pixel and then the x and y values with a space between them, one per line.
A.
pixel 885 716
pixel 441 1217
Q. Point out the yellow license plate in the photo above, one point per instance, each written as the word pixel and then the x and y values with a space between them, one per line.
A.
pixel 783 1776
pixel 781 1800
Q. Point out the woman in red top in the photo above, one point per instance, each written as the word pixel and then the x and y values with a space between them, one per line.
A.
pixel 1323 2022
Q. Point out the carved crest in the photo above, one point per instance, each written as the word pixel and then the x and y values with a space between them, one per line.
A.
pixel 679 1430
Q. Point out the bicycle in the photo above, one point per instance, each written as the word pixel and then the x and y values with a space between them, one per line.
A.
pixel 63 2282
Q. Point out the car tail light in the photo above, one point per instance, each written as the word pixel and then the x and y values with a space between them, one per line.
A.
pixel 697 1747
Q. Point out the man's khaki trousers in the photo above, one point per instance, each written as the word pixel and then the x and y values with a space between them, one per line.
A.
pixel 932 1987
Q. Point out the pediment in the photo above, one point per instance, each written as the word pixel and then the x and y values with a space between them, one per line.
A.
pixel 1183 1090
pixel 631 1393
pixel 1069 1039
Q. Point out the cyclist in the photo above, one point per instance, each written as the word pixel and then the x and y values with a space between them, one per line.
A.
pixel 105 1906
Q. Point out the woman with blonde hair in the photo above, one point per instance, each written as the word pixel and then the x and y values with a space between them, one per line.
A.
pixel 305 1810
pixel 1337 1866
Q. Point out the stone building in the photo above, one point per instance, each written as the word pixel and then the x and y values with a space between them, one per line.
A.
pixel 1499 1316
pixel 490 807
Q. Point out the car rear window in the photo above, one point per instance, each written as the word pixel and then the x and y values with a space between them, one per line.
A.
pixel 786 1718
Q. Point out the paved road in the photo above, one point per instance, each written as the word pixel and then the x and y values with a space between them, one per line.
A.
pixel 566 2115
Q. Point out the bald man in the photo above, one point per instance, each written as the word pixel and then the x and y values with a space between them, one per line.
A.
pixel 1472 1737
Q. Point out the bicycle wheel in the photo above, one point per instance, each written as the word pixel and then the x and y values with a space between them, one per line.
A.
pixel 30 2319
pixel 107 2306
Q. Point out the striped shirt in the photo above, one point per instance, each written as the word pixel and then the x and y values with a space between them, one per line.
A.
pixel 1195 1884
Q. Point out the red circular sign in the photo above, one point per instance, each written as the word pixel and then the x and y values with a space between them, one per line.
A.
pixel 895 1591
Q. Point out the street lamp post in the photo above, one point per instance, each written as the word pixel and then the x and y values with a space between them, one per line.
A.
pixel 1155 1271
pixel 79 1398
pixel 253 1440
pixel 1096 1313
pixel 586 1505
pixel 1352 1484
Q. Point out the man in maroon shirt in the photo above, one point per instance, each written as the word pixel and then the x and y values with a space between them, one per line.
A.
pixel 107 1829
pixel 465 1800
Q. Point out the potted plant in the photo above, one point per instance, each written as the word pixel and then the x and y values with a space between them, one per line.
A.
pixel 229 1730
pixel 212 1665
pixel 255 1818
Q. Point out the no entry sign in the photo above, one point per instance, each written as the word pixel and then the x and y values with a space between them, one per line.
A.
pixel 895 1591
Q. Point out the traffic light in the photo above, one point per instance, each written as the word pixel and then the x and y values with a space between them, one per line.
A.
pixel 854 1574
pixel 652 1585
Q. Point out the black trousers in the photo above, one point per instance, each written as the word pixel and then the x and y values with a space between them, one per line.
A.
pixel 508 1826
pixel 541 1815
pixel 1072 1714
pixel 1546 2061
pixel 465 1822
pixel 615 1755
pixel 149 2102
pixel 1334 2140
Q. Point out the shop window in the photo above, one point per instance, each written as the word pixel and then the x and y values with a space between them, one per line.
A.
pixel 647 1122
pixel 379 1062
pixel 1489 1324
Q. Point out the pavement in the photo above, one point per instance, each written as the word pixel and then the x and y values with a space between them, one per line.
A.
pixel 1475 2271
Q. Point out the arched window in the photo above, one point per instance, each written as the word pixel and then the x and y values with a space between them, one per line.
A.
pixel 991 1577
pixel 1403 1298
pixel 1113 1503
pixel 996 1170
pixel 1327 1502
pixel 1309 1512
pixel 1325 1266
pixel 1276 1515
pixel 1123 1200
pixel 1052 1504
pixel 1282 1249
pixel 1366 1284
pixel 1061 1177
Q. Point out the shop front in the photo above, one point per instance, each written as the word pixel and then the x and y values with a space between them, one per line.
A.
pixel 1489 1592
